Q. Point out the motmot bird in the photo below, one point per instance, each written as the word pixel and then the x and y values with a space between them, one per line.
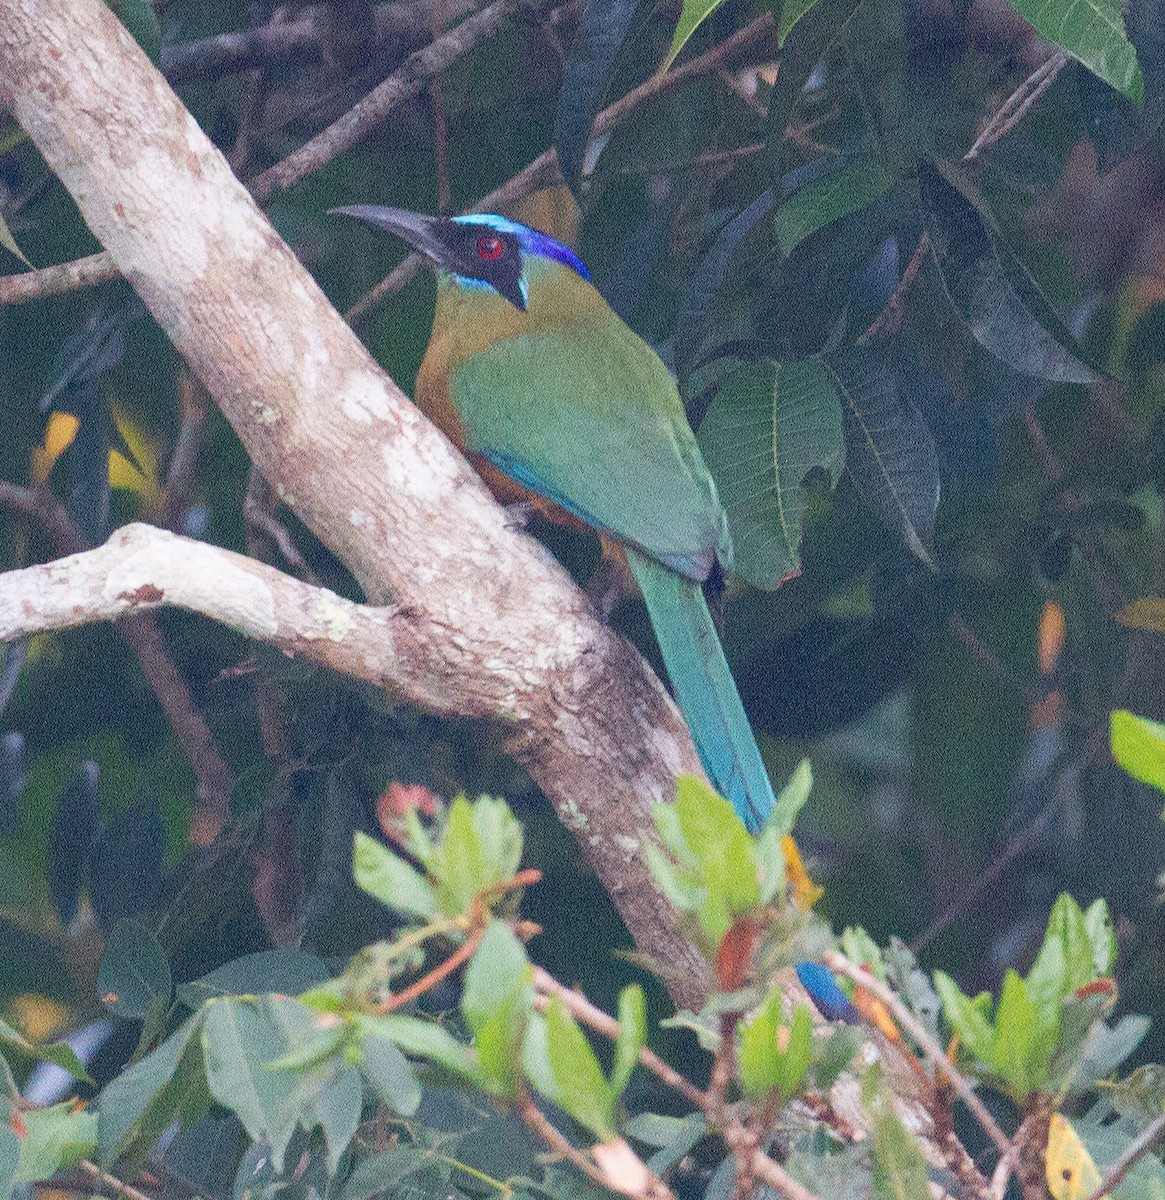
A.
pixel 530 372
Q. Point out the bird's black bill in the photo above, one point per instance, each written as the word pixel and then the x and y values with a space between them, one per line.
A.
pixel 420 231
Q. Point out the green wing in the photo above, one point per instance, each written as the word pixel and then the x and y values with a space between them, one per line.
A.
pixel 594 421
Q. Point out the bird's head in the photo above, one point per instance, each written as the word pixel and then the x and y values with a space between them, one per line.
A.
pixel 477 250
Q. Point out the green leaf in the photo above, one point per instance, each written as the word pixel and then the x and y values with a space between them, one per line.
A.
pixel 60 1054
pixel 481 846
pixel 495 1003
pixel 1146 612
pixel 965 1016
pixel 335 1107
pixel 826 200
pixel 1101 937
pixel 1069 954
pixel 388 878
pixel 673 1137
pixel 238 1044
pixel 136 1106
pixel 772 1055
pixel 422 1039
pixel 389 1075
pixel 288 972
pixel 757 1052
pixel 1138 745
pixel 791 12
pixel 579 1085
pixel 385 1172
pixel 134 972
pixel 723 850
pixel 593 54
pixel 990 285
pixel 862 950
pixel 768 427
pixel 693 14
pixel 1015 1038
pixel 890 454
pixel 57 1137
pixel 899 1168
pixel 794 1058
pixel 632 1036
pixel 9 1160
pixel 1093 33
pixel 835 1056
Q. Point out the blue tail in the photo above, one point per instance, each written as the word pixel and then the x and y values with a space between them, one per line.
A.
pixel 705 689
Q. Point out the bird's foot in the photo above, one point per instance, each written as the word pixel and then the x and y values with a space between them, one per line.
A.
pixel 519 514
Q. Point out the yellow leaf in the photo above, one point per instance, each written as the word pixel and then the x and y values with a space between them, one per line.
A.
pixel 38 1016
pixel 123 474
pixel 1146 612
pixel 805 892
pixel 58 437
pixel 1071 1173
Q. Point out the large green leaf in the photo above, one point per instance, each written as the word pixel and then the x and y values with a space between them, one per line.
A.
pixel 890 454
pixel 239 1043
pixel 136 1106
pixel 1093 33
pixel 1138 744
pixel 604 29
pixel 769 426
pixel 57 1137
pixel 134 971
pixel 287 971
pixel 828 199
pixel 990 286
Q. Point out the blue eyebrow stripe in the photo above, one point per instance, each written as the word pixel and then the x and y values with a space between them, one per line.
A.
pixel 532 241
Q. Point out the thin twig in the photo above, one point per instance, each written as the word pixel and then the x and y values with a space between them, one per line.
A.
pixel 184 458
pixel 111 1182
pixel 541 170
pixel 408 80
pixel 430 979
pixel 1134 1152
pixel 583 1010
pixel 404 83
pixel 933 1051
pixel 1012 111
pixel 890 318
pixel 58 279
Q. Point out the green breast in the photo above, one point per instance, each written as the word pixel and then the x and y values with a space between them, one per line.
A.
pixel 571 402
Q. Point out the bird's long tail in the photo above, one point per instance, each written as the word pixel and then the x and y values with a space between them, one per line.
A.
pixel 704 688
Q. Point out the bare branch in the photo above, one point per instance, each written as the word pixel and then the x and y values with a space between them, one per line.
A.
pixel 56 280
pixel 933 1051
pixel 268 45
pixel 406 81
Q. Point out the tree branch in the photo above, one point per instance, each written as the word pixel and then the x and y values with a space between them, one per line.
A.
pixel 503 630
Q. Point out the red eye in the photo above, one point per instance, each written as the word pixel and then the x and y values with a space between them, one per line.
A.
pixel 489 248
